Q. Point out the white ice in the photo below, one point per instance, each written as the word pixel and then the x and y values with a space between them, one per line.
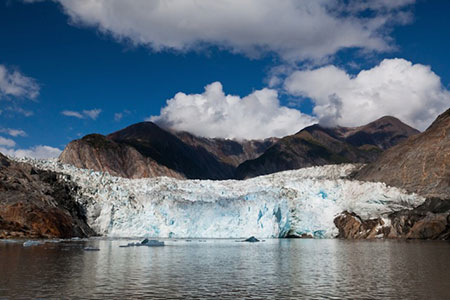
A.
pixel 303 201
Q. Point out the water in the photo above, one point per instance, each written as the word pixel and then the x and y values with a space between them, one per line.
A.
pixel 273 269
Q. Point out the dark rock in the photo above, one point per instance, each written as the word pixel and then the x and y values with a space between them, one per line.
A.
pixel 294 235
pixel 251 239
pixel 4 161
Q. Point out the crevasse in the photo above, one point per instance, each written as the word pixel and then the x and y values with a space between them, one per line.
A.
pixel 301 201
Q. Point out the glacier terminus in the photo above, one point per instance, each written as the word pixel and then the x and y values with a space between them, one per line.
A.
pixel 303 201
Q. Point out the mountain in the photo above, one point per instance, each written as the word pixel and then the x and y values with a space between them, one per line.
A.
pixel 316 145
pixel 421 164
pixel 146 150
pixel 38 204
pixel 384 133
pixel 97 152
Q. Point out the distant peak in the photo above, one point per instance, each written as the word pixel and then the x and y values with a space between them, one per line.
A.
pixel 388 119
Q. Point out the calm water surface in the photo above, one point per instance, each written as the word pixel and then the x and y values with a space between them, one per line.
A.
pixel 312 269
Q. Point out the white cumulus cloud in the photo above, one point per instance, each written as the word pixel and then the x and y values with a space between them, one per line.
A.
pixel 118 117
pixel 92 114
pixel 13 132
pixel 15 84
pixel 397 87
pixel 215 114
pixel 294 29
pixel 7 142
pixel 40 151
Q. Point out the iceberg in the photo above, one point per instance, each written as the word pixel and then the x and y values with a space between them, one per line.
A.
pixel 301 202
pixel 91 249
pixel 251 239
pixel 146 243
pixel 32 243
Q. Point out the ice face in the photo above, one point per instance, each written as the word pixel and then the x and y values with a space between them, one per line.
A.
pixel 303 201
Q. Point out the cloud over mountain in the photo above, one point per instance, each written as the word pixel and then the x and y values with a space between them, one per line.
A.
pixel 40 151
pixel 215 114
pixel 294 30
pixel 397 87
pixel 7 146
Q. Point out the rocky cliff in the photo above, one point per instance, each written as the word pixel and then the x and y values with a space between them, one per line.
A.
pixel 316 145
pixel 421 164
pixel 38 204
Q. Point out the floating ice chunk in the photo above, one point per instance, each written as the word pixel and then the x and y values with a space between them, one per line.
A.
pixel 91 249
pixel 146 242
pixel 32 243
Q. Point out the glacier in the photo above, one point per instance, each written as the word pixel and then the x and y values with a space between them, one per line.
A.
pixel 303 201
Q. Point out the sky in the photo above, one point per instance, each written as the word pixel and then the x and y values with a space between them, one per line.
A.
pixel 231 69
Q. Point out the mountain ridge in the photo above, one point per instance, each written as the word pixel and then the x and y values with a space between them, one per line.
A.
pixel 317 145
pixel 146 150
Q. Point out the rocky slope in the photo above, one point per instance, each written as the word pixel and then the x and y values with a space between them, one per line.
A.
pixel 38 204
pixel 421 164
pixel 316 145
pixel 97 152
pixel 146 150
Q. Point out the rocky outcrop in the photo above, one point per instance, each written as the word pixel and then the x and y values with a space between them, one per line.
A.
pixel 431 220
pixel 421 164
pixel 146 150
pixel 351 226
pixel 38 204
pixel 316 145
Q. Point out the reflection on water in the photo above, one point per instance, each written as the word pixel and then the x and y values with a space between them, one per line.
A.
pixel 227 269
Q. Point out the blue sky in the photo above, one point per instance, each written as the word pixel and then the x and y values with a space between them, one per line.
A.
pixel 94 72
